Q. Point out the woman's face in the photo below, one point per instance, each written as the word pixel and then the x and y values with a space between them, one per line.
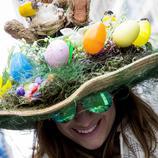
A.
pixel 87 129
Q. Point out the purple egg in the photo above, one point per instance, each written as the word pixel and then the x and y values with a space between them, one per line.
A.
pixel 20 91
pixel 38 80
pixel 57 53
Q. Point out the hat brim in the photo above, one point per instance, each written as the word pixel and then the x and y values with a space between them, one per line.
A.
pixel 128 75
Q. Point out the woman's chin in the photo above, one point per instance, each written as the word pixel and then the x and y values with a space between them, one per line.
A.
pixel 93 145
pixel 93 138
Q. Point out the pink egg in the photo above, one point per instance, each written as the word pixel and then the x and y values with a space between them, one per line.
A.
pixel 57 53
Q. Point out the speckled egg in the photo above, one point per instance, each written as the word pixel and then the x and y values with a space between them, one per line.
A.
pixel 57 53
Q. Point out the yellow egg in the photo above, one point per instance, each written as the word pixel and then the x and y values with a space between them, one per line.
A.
pixel 144 34
pixel 126 33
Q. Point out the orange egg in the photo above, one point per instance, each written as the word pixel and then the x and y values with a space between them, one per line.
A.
pixel 94 38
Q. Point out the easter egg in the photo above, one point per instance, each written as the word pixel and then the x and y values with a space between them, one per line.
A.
pixel 94 38
pixel 126 33
pixel 33 88
pixel 57 53
pixel 20 67
pixel 20 91
pixel 144 34
pixel 38 80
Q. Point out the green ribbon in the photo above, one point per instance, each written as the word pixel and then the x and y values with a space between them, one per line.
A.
pixel 71 49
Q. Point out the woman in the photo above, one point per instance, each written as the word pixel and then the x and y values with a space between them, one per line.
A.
pixel 127 128
pixel 98 123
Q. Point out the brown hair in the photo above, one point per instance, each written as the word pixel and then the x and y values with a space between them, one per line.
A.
pixel 139 116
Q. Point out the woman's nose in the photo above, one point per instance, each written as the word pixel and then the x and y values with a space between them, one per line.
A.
pixel 83 116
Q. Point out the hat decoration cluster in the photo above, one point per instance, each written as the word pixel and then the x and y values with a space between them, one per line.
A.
pixel 47 17
pixel 51 69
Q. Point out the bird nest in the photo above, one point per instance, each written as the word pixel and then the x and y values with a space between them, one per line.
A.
pixel 48 20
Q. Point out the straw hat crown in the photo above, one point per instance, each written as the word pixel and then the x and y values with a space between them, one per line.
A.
pixel 53 72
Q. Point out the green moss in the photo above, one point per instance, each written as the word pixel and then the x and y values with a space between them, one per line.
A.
pixel 61 82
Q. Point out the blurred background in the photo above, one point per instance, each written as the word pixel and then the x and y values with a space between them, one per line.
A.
pixel 18 144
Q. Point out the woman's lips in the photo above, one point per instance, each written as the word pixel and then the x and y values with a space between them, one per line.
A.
pixel 86 131
pixel 89 130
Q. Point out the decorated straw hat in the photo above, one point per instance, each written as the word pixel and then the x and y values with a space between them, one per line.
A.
pixel 51 73
pixel 47 17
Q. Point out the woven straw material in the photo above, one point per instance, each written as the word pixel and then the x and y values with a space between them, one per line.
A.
pixel 48 20
pixel 48 28
pixel 129 75
pixel 56 18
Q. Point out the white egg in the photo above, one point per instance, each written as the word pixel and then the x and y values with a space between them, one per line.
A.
pixel 57 53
